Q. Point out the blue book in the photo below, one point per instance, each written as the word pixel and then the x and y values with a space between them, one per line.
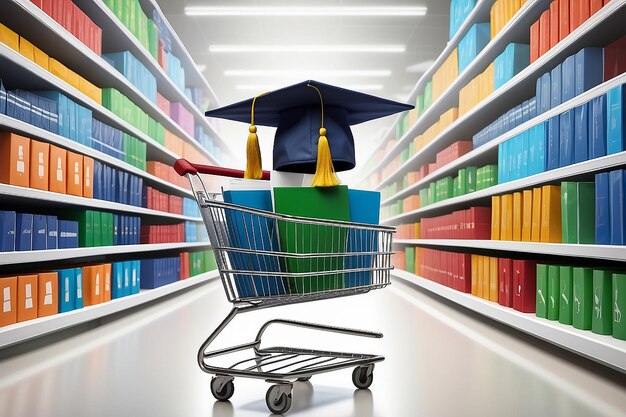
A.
pixel 135 278
pixel 117 280
pixel 7 231
pixel 555 89
pixel 546 94
pixel 364 208
pixel 518 155
pixel 542 136
pixel 532 108
pixel 53 232
pixel 597 127
pixel 566 145
pixel 68 234
pixel 553 143
pixel 78 299
pixel 525 112
pixel 533 138
pixel 40 233
pixel 525 145
pixel 617 204
pixel 589 69
pixel 97 180
pixel 72 113
pixel 239 226
pixel 114 185
pixel 3 99
pixel 615 120
pixel 603 217
pixel 518 115
pixel 23 232
pixel 127 277
pixel 538 96
pixel 67 289
pixel 501 175
pixel 581 133
pixel 568 79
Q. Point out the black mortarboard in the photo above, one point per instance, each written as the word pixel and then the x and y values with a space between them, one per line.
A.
pixel 300 112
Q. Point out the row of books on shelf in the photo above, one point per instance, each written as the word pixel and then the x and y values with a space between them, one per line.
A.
pixel 135 72
pixel 587 298
pixel 26 231
pixel 41 294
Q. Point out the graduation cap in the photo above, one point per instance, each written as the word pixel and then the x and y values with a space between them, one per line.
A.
pixel 313 122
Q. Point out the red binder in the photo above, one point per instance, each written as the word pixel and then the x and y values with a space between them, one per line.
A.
pixel 524 286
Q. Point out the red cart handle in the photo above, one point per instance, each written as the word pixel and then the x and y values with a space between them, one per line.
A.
pixel 184 167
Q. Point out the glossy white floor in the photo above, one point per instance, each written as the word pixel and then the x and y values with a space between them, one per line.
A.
pixel 440 362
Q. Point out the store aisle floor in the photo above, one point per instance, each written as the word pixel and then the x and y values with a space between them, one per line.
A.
pixel 440 362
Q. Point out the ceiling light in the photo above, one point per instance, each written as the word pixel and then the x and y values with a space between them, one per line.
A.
pixel 307 48
pixel 269 87
pixel 311 11
pixel 307 74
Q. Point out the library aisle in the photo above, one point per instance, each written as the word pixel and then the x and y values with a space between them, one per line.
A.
pixel 440 361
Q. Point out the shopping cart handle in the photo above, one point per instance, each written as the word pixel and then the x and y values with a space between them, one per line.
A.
pixel 184 167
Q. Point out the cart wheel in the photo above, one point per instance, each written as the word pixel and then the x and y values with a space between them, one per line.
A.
pixel 278 401
pixel 222 390
pixel 360 377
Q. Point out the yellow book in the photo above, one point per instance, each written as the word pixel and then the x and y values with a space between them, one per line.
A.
pixel 486 276
pixel 474 286
pixel 41 58
pixel 506 217
pixel 58 69
pixel 492 20
pixel 73 79
pixel 491 78
pixel 9 38
pixel 417 232
pixel 495 217
pixel 412 117
pixel 90 90
pixel 527 206
pixel 493 279
pixel 27 49
pixel 535 235
pixel 480 271
pixel 551 214
pixel 518 209
pixel 508 9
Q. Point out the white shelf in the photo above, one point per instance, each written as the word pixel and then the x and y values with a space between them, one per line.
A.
pixel 515 90
pixel 606 252
pixel 581 168
pixel 480 13
pixel 23 331
pixel 23 128
pixel 605 350
pixel 26 257
pixel 78 56
pixel 492 145
pixel 20 193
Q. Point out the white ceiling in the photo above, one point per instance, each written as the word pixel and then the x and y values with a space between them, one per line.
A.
pixel 424 38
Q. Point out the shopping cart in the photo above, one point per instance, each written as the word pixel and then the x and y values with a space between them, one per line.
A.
pixel 257 274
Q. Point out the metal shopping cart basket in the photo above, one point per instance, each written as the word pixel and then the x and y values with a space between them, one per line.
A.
pixel 266 260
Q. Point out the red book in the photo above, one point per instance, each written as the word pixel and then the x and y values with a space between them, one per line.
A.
pixel 465 272
pixel 450 269
pixel 38 3
pixel 68 14
pixel 564 23
pixel 574 14
pixel 595 6
pixel 544 32
pixel 615 58
pixel 554 23
pixel 481 222
pixel 46 6
pixel 584 11
pixel 534 41
pixel 505 295
pixel 524 285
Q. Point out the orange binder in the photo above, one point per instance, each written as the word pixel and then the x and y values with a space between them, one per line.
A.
pixel 564 23
pixel 554 23
pixel 518 209
pixel 493 279
pixel 48 290
pixel 57 176
pixel 551 214
pixel 26 297
pixel 506 217
pixel 495 218
pixel 9 38
pixel 535 233
pixel 8 300
pixel 474 286
pixel 480 272
pixel 27 49
pixel 87 177
pixel 544 32
pixel 527 207
pixel 106 294
pixel 41 58
pixel 74 174
pixel 39 158
pixel 14 159
pixel 486 276
pixel 91 285
pixel 534 41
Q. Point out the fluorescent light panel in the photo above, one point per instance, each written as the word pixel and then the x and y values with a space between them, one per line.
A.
pixel 307 48
pixel 268 87
pixel 308 11
pixel 299 73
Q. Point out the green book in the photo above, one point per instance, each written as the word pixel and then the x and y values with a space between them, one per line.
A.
pixel 602 314
pixel 209 260
pixel 411 149
pixel 111 232
pixel 586 212
pixel 428 95
pixel 419 104
pixel 566 277
pixel 400 206
pixel 471 179
pixel 619 306
pixel 410 259
pixel 404 155
pixel 399 128
pixel 424 200
pixel 447 185
pixel 582 295
pixel 455 187
pixel 491 176
pixel 569 212
pixel 553 292
pixel 97 228
pixel 195 263
pixel 462 182
pixel 480 177
pixel 85 227
pixel 541 300
pixel 318 203
pixel 432 193
pixel 405 181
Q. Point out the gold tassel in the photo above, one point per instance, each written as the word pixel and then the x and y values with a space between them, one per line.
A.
pixel 253 156
pixel 324 171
